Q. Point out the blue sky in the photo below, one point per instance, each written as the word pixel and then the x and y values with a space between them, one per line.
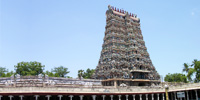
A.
pixel 70 32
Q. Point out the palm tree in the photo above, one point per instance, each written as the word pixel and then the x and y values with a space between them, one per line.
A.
pixel 186 67
pixel 192 69
pixel 196 65
pixel 188 70
pixel 80 73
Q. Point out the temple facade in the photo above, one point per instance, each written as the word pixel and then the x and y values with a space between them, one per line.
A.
pixel 124 59
pixel 57 88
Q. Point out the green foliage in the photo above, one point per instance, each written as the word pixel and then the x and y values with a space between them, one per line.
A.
pixel 80 73
pixel 57 75
pixel 29 68
pixel 9 74
pixel 176 77
pixel 60 71
pixel 5 73
pixel 193 69
pixel 33 69
pixel 50 74
pixel 68 77
pixel 86 75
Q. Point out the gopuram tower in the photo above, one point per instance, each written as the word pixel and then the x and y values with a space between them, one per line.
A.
pixel 124 58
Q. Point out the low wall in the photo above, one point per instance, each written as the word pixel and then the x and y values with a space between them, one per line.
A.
pixel 96 90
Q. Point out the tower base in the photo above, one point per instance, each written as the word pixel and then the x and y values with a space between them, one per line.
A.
pixel 130 82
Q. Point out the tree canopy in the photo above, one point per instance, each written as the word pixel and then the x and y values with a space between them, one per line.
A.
pixel 86 74
pixel 34 68
pixel 29 68
pixel 60 71
pixel 5 73
pixel 176 77
pixel 50 74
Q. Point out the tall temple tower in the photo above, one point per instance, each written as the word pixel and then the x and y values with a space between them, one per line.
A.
pixel 124 58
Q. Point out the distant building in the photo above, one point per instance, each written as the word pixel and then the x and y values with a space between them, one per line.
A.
pixel 124 58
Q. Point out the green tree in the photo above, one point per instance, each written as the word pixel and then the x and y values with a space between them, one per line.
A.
pixel 60 71
pixel 88 74
pixel 29 68
pixel 9 74
pixel 3 71
pixel 80 73
pixel 50 74
pixel 193 69
pixel 176 77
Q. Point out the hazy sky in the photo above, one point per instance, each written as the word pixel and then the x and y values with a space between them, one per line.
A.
pixel 70 32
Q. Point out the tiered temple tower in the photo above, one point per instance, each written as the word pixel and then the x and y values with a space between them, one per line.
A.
pixel 124 58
